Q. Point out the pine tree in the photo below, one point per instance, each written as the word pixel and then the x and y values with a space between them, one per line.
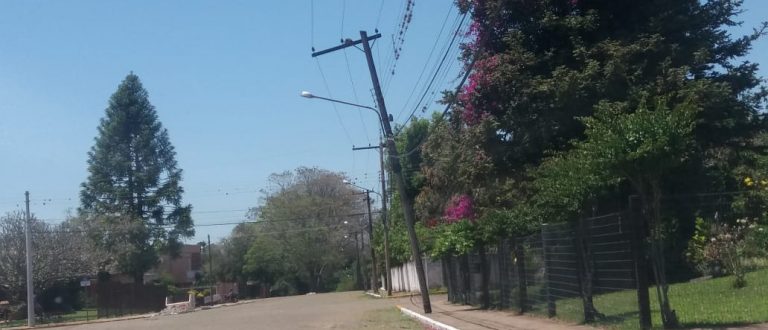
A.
pixel 132 197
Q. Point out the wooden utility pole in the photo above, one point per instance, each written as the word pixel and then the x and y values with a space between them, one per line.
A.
pixel 394 162
pixel 30 286
pixel 210 260
pixel 358 271
pixel 387 271
pixel 388 275
pixel 374 274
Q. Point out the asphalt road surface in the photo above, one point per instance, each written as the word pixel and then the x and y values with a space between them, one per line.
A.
pixel 348 310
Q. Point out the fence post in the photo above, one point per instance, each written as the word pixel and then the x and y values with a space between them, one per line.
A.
pixel 455 278
pixel 641 264
pixel 551 305
pixel 584 271
pixel 447 277
pixel 466 278
pixel 522 286
pixel 484 278
pixel 504 274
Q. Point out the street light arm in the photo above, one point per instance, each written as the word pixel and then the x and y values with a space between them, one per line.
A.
pixel 348 103
pixel 378 114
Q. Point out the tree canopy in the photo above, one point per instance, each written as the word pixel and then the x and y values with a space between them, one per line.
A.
pixel 61 254
pixel 133 195
pixel 303 238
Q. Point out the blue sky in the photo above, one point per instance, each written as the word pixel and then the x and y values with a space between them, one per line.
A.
pixel 224 77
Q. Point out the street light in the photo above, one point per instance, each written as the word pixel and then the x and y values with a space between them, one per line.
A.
pixel 309 95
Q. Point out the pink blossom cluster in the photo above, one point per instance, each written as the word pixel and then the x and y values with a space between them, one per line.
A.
pixel 469 96
pixel 459 208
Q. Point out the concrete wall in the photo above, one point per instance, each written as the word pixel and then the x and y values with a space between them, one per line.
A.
pixel 404 277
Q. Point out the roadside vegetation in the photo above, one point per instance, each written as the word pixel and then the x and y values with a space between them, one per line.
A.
pixel 389 318
pixel 700 304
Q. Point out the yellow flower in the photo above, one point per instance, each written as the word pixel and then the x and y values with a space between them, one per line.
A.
pixel 748 181
pixel 763 183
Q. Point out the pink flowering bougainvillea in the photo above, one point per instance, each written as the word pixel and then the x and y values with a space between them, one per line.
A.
pixel 459 208
pixel 480 78
pixel 473 97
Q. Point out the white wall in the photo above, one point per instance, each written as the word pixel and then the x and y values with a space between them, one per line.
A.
pixel 404 277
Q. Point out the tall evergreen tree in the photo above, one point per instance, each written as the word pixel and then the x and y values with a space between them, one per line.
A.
pixel 132 197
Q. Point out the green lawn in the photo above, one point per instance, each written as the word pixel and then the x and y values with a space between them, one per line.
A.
pixel 388 318
pixel 81 315
pixel 706 303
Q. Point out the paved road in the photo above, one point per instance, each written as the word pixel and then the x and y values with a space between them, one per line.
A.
pixel 346 310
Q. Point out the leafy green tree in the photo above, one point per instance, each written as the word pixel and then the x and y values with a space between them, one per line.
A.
pixel 230 253
pixel 302 232
pixel 133 197
pixel 542 65
pixel 409 141
pixel 641 147
pixel 612 89
pixel 265 261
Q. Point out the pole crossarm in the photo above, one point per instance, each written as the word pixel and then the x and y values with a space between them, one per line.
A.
pixel 365 148
pixel 347 43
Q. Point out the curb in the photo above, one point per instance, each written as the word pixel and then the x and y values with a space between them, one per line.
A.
pixel 373 294
pixel 425 320
pixel 125 318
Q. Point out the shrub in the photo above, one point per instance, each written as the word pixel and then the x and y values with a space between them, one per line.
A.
pixel 729 247
pixel 346 283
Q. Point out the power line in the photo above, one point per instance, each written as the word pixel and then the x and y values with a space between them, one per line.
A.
pixel 402 23
pixel 391 55
pixel 440 65
pixel 443 77
pixel 429 57
pixel 343 13
pixel 312 24
pixel 170 226
pixel 354 93
pixel 378 17
pixel 447 107
pixel 335 109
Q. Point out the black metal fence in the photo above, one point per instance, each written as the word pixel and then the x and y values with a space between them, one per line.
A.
pixel 107 299
pixel 563 270
pixel 119 299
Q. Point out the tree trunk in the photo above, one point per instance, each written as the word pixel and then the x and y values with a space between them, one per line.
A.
pixel 650 199
pixel 668 315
